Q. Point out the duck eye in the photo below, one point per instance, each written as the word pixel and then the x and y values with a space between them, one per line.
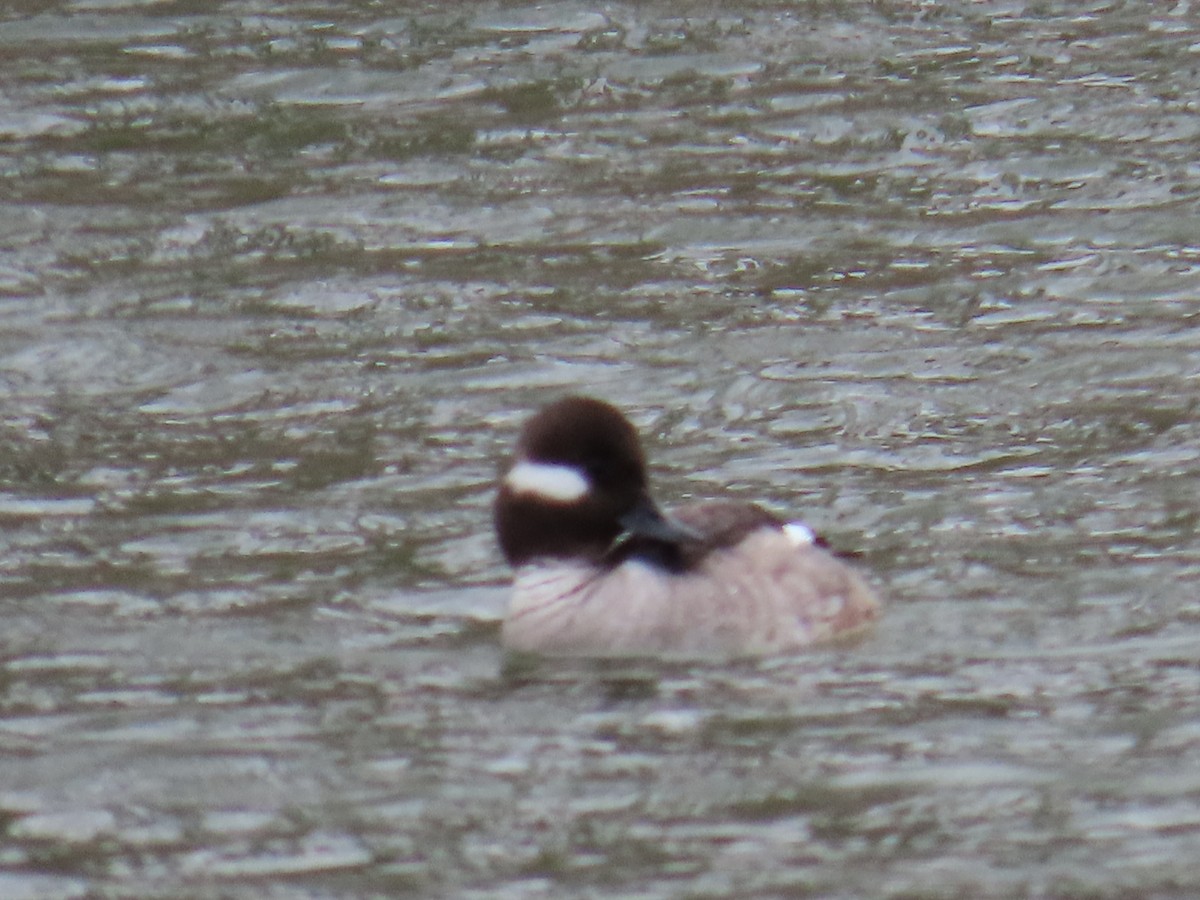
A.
pixel 611 472
pixel 600 471
pixel 606 471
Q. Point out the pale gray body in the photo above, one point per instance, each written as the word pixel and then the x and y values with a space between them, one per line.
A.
pixel 763 595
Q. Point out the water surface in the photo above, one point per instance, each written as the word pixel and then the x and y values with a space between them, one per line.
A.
pixel 278 284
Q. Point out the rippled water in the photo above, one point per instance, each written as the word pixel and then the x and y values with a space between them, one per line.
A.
pixel 279 281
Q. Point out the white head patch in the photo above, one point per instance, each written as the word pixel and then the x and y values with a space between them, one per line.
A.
pixel 562 484
pixel 799 534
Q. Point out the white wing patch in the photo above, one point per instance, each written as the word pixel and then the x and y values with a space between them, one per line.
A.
pixel 559 483
pixel 799 534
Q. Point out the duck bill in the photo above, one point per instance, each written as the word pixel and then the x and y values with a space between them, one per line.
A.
pixel 647 521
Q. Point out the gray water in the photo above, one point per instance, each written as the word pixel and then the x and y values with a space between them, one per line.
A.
pixel 278 283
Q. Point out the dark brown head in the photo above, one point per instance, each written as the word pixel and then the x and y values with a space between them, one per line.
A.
pixel 577 484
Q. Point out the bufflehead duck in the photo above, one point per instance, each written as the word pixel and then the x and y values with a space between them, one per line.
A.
pixel 600 571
